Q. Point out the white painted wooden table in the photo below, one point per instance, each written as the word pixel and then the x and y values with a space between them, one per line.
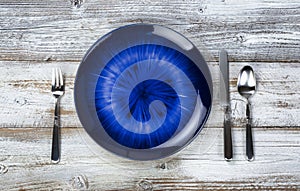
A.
pixel 36 36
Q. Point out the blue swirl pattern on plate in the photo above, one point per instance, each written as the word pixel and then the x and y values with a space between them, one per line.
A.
pixel 146 94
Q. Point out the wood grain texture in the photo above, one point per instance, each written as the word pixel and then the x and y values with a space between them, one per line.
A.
pixel 250 30
pixel 27 101
pixel 25 154
pixel 37 35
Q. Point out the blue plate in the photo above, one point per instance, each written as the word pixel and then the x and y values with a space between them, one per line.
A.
pixel 143 92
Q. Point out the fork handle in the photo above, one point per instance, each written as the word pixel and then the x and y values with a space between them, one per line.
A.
pixel 55 154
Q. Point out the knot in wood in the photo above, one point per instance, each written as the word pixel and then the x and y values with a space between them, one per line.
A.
pixel 3 169
pixel 145 185
pixel 79 182
pixel 77 3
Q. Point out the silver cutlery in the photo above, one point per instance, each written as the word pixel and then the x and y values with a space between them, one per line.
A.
pixel 58 90
pixel 246 87
pixel 225 102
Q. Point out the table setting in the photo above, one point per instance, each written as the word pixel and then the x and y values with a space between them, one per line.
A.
pixel 132 77
pixel 148 104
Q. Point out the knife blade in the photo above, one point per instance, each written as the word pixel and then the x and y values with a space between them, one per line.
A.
pixel 224 85
pixel 225 103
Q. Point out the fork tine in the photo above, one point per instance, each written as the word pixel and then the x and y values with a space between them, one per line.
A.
pixel 56 78
pixel 61 80
pixel 53 77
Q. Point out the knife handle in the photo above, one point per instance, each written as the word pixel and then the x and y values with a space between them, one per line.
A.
pixel 227 136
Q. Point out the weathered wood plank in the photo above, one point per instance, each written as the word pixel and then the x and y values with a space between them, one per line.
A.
pixel 25 163
pixel 55 30
pixel 26 100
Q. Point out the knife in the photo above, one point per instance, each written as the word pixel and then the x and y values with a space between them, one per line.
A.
pixel 225 103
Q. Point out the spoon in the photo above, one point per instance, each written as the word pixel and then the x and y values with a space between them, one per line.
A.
pixel 246 87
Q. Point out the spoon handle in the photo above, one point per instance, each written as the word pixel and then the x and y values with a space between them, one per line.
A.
pixel 249 141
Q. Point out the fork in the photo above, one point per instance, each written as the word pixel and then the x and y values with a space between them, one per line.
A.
pixel 58 90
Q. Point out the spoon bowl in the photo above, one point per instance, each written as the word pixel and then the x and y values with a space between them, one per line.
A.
pixel 246 82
